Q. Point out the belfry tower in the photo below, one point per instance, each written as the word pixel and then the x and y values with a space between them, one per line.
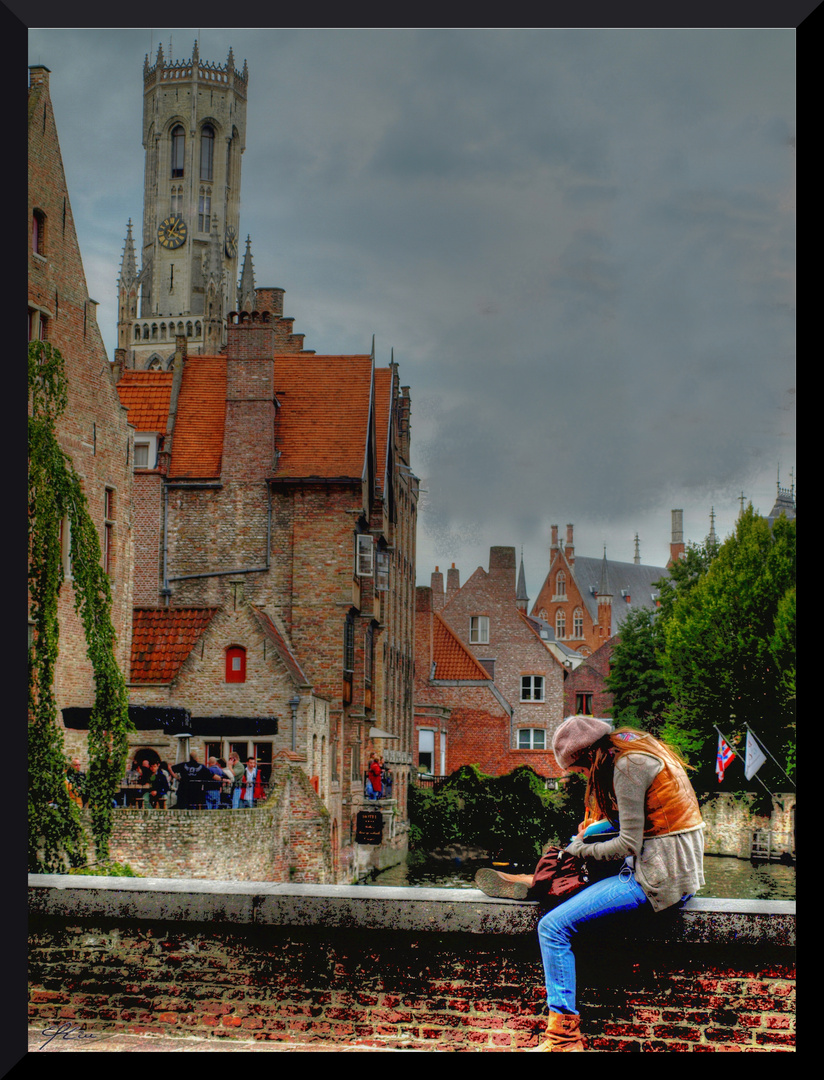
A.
pixel 194 132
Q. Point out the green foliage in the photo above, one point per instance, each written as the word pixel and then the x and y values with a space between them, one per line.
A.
pixel 110 869
pixel 55 493
pixel 511 814
pixel 728 638
pixel 635 680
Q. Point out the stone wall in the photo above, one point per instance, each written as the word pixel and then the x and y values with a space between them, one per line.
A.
pixel 399 967
pixel 730 822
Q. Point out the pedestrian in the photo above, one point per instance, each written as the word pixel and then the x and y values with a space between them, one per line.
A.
pixel 374 777
pixel 251 784
pixel 236 765
pixel 191 777
pixel 639 784
pixel 226 781
pixel 213 785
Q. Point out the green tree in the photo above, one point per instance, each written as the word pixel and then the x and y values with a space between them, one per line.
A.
pixel 55 493
pixel 635 678
pixel 717 661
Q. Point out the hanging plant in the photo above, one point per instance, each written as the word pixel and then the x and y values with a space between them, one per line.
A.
pixel 55 494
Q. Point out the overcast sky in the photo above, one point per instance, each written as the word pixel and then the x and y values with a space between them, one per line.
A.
pixel 579 243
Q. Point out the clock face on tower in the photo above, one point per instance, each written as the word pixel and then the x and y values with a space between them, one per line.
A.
pixel 231 243
pixel 172 232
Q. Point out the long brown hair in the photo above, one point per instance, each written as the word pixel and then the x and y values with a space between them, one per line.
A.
pixel 600 798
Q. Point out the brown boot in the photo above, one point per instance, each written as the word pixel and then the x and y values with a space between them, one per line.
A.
pixel 563 1032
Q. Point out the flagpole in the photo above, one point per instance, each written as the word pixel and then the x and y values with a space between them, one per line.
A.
pixel 764 746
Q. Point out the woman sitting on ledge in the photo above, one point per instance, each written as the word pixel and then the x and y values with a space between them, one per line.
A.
pixel 640 783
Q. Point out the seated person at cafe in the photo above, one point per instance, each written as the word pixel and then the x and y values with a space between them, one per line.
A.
pixel 158 789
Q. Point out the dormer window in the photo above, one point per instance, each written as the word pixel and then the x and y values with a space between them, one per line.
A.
pixel 145 451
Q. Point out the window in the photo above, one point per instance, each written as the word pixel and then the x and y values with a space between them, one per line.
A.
pixel 236 664
pixel 368 658
pixel 38 232
pixel 479 630
pixel 204 210
pixel 560 583
pixel 108 530
pixel 577 623
pixel 382 571
pixel 349 645
pixel 560 624
pixel 145 451
pixel 426 749
pixel 532 688
pixel 531 739
pixel 365 550
pixel 583 704
pixel 38 325
pixel 207 151
pixel 178 150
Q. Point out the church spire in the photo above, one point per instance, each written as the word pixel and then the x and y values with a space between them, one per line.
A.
pixel 521 598
pixel 246 288
pixel 128 262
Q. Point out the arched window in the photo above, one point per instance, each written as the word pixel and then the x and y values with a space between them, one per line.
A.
pixel 236 664
pixel 560 583
pixel 207 151
pixel 178 149
pixel 577 623
pixel 560 624
pixel 204 210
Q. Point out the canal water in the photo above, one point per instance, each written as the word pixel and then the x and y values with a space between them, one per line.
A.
pixel 725 877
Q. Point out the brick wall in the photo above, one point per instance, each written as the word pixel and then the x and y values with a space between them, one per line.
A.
pixel 588 678
pixel 399 967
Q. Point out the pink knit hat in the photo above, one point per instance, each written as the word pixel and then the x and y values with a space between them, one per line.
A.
pixel 575 735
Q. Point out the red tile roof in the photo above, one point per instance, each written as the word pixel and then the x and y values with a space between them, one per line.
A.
pixel 162 638
pixel 197 444
pixel 452 659
pixel 146 394
pixel 322 422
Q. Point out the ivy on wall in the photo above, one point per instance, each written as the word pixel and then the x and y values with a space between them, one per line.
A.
pixel 55 495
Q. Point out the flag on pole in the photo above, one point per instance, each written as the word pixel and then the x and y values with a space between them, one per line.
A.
pixel 724 756
pixel 755 756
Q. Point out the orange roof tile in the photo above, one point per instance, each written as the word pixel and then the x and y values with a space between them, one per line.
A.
pixel 452 659
pixel 146 394
pixel 162 638
pixel 197 444
pixel 323 416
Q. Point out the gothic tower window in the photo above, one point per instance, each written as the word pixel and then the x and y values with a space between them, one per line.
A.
pixel 178 150
pixel 204 215
pixel 560 624
pixel 207 152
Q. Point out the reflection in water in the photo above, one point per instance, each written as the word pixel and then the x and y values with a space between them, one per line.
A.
pixel 731 878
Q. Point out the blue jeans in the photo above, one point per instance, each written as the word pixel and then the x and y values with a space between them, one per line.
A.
pixel 212 800
pixel 555 931
pixel 235 798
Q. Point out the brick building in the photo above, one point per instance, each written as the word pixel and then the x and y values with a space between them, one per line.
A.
pixel 480 628
pixel 274 563
pixel 93 429
pixel 586 599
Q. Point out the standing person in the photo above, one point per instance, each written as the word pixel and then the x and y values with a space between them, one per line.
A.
pixel 236 765
pixel 226 780
pixel 212 786
pixel 375 777
pixel 251 784
pixel 191 776
pixel 641 784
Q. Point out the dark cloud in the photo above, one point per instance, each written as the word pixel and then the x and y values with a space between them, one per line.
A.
pixel 580 244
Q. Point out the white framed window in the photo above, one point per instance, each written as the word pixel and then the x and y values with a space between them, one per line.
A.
pixel 145 450
pixel 532 688
pixel 382 571
pixel 364 555
pixel 479 629
pixel 531 739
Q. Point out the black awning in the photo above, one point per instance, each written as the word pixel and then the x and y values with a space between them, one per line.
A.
pixel 234 727
pixel 144 718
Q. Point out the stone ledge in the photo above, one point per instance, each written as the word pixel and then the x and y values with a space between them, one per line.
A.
pixel 706 921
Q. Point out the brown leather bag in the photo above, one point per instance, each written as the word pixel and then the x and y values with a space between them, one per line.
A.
pixel 560 875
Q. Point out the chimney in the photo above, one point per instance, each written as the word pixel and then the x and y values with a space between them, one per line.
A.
pixel 453 582
pixel 554 544
pixel 569 548
pixel 119 365
pixel 677 543
pixel 39 76
pixel 269 299
pixel 437 590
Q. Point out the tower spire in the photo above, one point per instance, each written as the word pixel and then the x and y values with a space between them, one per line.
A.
pixel 246 288
pixel 521 597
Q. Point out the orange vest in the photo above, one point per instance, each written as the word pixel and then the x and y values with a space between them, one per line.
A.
pixel 671 805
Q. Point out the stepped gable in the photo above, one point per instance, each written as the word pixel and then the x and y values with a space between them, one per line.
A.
pixel 451 658
pixel 162 639
pixel 197 447
pixel 383 411
pixel 322 425
pixel 146 395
